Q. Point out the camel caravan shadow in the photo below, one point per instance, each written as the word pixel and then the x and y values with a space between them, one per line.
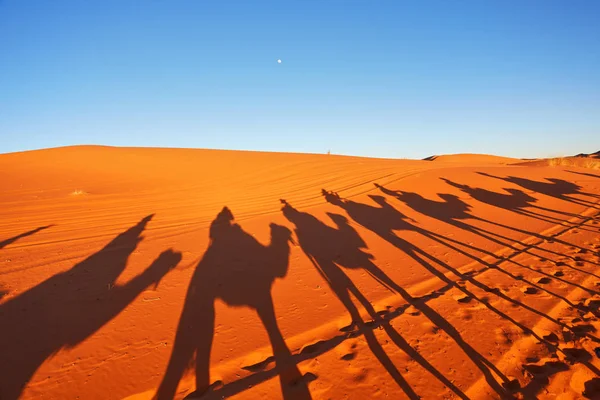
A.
pixel 65 309
pixel 239 270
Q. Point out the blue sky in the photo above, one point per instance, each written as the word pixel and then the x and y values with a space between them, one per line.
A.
pixel 373 78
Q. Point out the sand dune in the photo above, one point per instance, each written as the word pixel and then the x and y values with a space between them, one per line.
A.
pixel 169 273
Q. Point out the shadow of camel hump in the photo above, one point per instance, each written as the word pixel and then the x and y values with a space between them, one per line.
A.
pixel 68 307
pixel 239 270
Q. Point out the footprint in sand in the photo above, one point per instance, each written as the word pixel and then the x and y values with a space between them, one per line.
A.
pixel 592 388
pixel 558 273
pixel 592 304
pixel 544 280
pixel 412 310
pixel 551 337
pixel 540 374
pixel 575 355
pixel 560 264
pixel 347 351
pixel 529 290
pixel 462 298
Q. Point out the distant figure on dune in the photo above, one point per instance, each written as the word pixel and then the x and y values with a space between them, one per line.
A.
pixel 69 307
pixel 239 270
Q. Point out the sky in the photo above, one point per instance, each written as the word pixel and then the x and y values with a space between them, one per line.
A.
pixel 399 79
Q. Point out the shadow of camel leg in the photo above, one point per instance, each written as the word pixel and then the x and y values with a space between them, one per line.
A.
pixel 206 332
pixel 406 347
pixel 292 383
pixel 194 335
pixel 372 342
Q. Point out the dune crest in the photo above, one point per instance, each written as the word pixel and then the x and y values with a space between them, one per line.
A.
pixel 467 158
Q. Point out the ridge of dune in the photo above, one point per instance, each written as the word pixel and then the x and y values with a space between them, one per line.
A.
pixel 472 158
pixel 126 272
pixel 587 162
pixel 591 155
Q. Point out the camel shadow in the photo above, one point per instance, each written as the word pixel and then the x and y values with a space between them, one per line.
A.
pixel 69 307
pixel 385 220
pixel 239 270
pixel 332 248
pixel 553 187
pixel 515 201
pixel 454 211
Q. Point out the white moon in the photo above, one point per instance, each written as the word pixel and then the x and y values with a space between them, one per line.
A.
pixel 279 61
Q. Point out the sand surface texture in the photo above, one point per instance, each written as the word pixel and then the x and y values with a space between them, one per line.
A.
pixel 171 273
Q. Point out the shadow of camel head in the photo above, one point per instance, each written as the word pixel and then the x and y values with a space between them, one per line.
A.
pixel 280 232
pixel 338 218
pixel 378 199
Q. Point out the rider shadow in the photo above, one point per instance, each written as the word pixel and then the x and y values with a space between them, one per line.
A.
pixel 65 309
pixel 332 248
pixel 239 270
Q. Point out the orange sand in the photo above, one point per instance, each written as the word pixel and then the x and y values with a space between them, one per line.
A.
pixel 122 275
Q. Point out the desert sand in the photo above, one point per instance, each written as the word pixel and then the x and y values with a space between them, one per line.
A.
pixel 146 273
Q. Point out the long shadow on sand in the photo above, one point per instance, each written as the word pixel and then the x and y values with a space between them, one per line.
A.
pixel 239 270
pixel 553 187
pixel 67 308
pixel 515 201
pixel 13 239
pixel 456 212
pixel 584 174
pixel 331 249
pixel 384 220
